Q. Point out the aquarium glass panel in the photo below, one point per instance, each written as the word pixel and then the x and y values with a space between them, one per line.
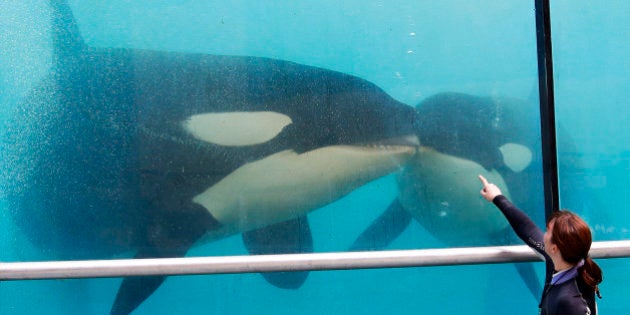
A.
pixel 590 49
pixel 149 129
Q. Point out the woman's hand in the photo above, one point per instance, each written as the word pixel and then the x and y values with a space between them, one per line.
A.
pixel 489 190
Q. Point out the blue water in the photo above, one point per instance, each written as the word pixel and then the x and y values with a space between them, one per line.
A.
pixel 409 49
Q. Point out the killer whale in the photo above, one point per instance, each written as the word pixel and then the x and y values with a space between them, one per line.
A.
pixel 437 186
pixel 127 150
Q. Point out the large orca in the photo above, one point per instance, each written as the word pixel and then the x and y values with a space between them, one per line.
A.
pixel 463 135
pixel 128 150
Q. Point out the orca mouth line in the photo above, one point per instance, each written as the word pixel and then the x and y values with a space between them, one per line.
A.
pixel 392 144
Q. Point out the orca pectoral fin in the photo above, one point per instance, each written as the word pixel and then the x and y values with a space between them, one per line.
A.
pixel 288 237
pixel 530 277
pixel 384 230
pixel 171 234
pixel 525 270
pixel 133 291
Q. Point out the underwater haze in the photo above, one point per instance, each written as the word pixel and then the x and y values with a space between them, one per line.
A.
pixel 451 71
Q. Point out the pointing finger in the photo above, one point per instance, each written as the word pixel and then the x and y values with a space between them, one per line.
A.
pixel 483 180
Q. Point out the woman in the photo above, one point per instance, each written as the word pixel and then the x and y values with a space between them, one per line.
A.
pixel 572 277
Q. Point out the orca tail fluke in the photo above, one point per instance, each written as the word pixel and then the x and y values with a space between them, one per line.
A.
pixel 133 291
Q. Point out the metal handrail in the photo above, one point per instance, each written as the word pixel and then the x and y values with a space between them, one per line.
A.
pixel 289 262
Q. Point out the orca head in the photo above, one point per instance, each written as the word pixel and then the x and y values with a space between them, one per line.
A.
pixel 494 132
pixel 350 111
pixel 462 136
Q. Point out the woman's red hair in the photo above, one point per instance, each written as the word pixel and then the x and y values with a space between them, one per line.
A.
pixel 573 237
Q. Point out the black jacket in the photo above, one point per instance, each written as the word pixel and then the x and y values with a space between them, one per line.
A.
pixel 572 297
